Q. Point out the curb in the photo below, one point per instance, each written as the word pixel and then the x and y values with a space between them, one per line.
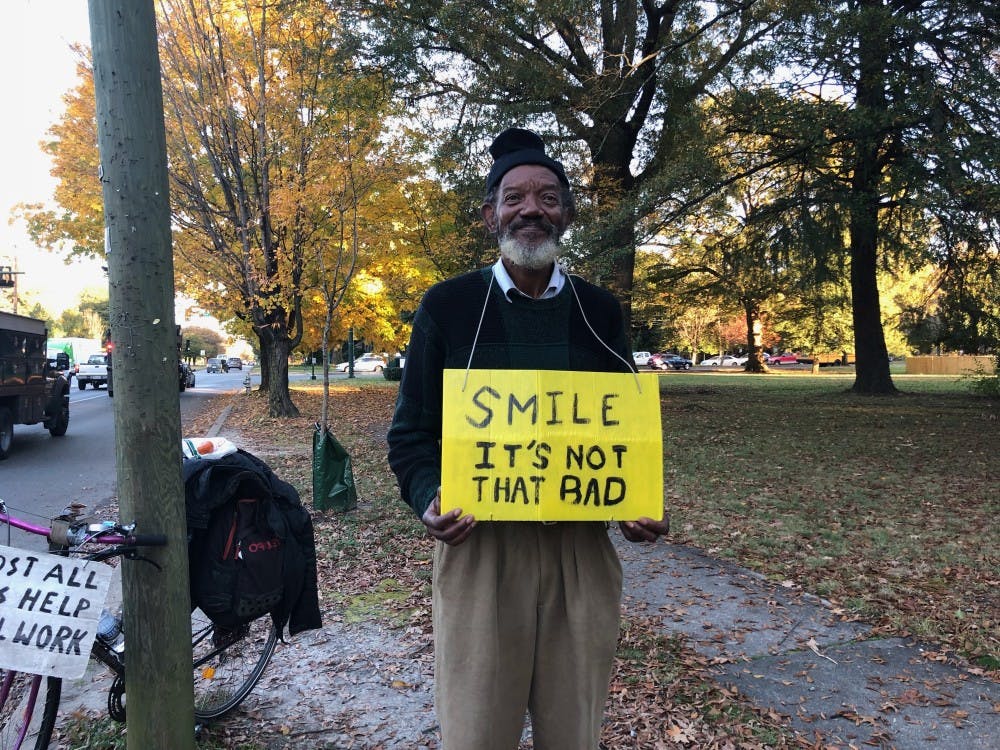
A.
pixel 219 421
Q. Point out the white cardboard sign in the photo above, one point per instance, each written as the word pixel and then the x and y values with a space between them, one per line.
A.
pixel 49 609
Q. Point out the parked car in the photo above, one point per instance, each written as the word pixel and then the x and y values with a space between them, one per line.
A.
pixel 365 363
pixel 235 363
pixel 667 361
pixel 185 376
pixel 679 363
pixel 783 359
pixel 214 364
pixel 641 359
pixel 830 358
pixel 724 361
pixel 658 361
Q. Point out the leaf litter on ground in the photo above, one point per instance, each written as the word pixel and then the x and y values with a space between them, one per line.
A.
pixel 770 495
pixel 375 562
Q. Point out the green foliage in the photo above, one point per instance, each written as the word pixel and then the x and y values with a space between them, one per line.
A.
pixel 86 733
pixel 969 305
pixel 984 383
pixel 617 94
pixel 886 168
pixel 38 312
pixel 88 323
pixel 201 339
pixel 393 371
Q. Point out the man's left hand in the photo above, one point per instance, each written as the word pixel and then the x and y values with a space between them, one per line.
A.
pixel 645 529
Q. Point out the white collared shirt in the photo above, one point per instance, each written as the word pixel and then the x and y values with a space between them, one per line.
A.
pixel 506 283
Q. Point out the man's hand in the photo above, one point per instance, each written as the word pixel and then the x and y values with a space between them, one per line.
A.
pixel 449 528
pixel 645 529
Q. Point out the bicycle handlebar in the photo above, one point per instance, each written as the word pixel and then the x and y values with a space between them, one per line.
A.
pixel 69 533
pixel 146 540
pixel 73 535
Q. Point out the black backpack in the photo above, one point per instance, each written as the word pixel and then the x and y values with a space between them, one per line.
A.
pixel 271 562
pixel 237 563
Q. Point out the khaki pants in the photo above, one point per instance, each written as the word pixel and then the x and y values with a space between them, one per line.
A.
pixel 525 618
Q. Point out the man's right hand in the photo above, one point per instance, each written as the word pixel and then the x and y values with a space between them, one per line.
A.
pixel 450 528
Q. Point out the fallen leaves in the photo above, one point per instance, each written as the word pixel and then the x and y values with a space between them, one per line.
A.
pixel 663 695
pixel 814 647
pixel 819 500
pixel 876 554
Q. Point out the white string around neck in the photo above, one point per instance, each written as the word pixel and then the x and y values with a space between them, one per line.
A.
pixel 482 315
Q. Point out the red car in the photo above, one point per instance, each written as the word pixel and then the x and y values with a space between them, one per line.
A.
pixel 783 359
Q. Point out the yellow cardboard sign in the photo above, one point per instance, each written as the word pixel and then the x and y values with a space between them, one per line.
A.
pixel 549 445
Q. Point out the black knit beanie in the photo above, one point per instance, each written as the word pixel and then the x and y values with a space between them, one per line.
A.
pixel 516 146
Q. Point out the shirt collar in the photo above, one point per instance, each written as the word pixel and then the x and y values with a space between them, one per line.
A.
pixel 506 283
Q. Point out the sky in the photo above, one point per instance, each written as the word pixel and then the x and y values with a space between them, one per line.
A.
pixel 38 68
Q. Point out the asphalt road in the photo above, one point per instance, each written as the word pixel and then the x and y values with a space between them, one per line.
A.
pixel 43 474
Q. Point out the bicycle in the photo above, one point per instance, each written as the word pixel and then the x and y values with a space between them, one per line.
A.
pixel 227 663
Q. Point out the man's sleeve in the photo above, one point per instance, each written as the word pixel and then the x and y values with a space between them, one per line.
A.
pixel 415 435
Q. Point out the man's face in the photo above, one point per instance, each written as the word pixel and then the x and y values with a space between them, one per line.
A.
pixel 529 216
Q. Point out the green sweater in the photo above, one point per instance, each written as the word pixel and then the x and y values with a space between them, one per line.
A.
pixel 516 334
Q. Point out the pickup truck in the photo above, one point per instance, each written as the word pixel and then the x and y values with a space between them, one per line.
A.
pixel 93 371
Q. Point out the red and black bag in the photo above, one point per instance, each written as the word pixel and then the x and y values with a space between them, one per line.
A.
pixel 250 544
pixel 240 563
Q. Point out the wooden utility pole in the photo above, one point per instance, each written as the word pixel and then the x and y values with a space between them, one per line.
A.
pixel 144 362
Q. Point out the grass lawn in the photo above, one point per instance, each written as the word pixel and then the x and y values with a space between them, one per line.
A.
pixel 886 506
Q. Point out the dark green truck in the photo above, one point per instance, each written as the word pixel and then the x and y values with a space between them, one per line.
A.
pixel 31 391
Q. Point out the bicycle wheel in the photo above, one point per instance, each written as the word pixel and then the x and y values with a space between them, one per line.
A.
pixel 227 663
pixel 21 726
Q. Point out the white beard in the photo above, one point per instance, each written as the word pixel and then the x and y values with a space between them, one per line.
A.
pixel 535 257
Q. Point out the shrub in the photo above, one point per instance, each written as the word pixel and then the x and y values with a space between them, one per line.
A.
pixel 392 371
pixel 985 383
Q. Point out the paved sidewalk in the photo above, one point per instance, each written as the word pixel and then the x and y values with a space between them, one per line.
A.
pixel 788 651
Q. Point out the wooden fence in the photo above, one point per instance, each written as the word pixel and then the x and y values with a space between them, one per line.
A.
pixel 949 364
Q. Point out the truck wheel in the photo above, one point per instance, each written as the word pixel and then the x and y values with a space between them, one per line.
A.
pixel 81 384
pixel 6 431
pixel 60 422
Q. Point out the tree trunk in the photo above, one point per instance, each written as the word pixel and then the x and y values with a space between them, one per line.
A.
pixel 872 357
pixel 872 363
pixel 274 371
pixel 755 363
pixel 132 144
pixel 611 183
pixel 622 249
pixel 264 365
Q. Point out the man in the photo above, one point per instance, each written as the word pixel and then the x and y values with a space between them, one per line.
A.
pixel 525 614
